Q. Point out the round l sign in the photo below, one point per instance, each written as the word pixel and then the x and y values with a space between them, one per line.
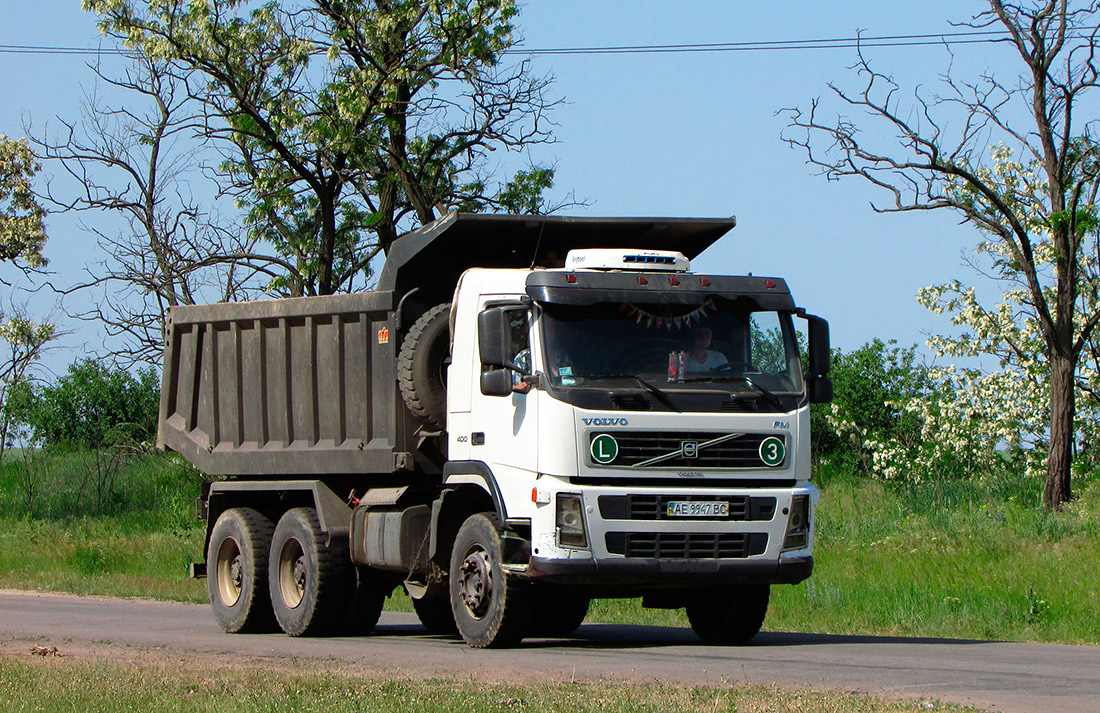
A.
pixel 604 449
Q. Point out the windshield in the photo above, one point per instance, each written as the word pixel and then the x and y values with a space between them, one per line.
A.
pixel 720 342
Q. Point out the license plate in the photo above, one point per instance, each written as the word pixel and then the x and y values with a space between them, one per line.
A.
pixel 689 508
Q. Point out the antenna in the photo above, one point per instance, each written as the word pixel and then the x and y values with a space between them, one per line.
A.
pixel 538 244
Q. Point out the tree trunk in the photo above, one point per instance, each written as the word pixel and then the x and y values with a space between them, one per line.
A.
pixel 326 251
pixel 1062 410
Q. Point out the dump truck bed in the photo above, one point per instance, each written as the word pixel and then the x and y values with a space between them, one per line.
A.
pixel 282 387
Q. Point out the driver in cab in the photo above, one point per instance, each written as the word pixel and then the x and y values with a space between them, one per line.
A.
pixel 700 358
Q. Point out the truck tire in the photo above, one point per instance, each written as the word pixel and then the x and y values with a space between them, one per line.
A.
pixel 421 365
pixel 309 581
pixel 237 557
pixel 490 610
pixel 365 598
pixel 436 616
pixel 560 613
pixel 730 615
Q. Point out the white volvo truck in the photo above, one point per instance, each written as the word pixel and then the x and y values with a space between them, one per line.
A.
pixel 526 414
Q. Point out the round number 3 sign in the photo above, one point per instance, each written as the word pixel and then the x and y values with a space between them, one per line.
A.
pixel 772 451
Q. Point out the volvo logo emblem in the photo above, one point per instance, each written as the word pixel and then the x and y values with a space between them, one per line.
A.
pixel 689 449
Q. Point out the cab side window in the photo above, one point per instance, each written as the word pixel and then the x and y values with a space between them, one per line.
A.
pixel 519 332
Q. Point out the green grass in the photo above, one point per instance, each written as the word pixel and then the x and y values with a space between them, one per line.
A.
pixel 107 555
pixel 105 687
pixel 891 561
pixel 94 525
pixel 955 559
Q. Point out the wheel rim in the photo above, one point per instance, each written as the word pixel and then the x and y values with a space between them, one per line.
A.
pixel 292 573
pixel 476 582
pixel 230 572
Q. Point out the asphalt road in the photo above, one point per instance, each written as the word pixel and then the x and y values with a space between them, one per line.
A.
pixel 1036 678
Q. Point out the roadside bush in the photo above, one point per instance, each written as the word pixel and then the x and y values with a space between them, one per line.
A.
pixel 91 407
pixel 150 488
pixel 871 386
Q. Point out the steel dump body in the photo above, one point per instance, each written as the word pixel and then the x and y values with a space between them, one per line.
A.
pixel 283 387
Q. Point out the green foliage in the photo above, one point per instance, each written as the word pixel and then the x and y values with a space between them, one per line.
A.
pixel 22 230
pixel 525 193
pixel 870 385
pixel 91 406
pixel 25 342
pixel 150 489
pixel 957 558
pixel 345 123
pixel 1036 220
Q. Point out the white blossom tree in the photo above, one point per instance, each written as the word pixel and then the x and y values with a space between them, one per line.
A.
pixel 22 237
pixel 22 228
pixel 1037 216
pixel 25 342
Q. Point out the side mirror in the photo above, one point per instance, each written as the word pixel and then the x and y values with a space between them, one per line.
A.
pixel 494 340
pixel 497 382
pixel 820 389
pixel 819 345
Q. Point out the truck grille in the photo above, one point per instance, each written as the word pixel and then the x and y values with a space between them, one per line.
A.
pixel 655 507
pixel 686 545
pixel 648 449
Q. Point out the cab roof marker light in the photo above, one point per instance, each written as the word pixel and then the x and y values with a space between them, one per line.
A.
pixel 770 284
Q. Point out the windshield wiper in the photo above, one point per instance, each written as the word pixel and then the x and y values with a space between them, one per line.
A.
pixel 772 398
pixel 661 395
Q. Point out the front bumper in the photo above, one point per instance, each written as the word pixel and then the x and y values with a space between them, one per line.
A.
pixel 662 572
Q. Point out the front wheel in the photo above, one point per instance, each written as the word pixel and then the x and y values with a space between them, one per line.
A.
pixel 490 610
pixel 729 615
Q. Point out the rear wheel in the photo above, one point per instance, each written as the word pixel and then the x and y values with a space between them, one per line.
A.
pixel 490 609
pixel 309 582
pixel 237 560
pixel 365 598
pixel 436 616
pixel 729 615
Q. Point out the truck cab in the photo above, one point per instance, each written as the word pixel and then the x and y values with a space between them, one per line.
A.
pixel 646 428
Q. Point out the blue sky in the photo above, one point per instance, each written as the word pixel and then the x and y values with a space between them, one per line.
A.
pixel 660 134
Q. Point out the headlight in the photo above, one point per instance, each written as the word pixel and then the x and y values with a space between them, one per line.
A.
pixel 798 524
pixel 571 521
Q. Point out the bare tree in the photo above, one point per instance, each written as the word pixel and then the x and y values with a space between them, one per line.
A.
pixel 939 158
pixel 137 164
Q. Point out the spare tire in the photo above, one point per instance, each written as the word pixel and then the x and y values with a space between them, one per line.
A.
pixel 422 365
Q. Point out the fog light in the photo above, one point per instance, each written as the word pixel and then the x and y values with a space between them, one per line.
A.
pixel 571 521
pixel 798 524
